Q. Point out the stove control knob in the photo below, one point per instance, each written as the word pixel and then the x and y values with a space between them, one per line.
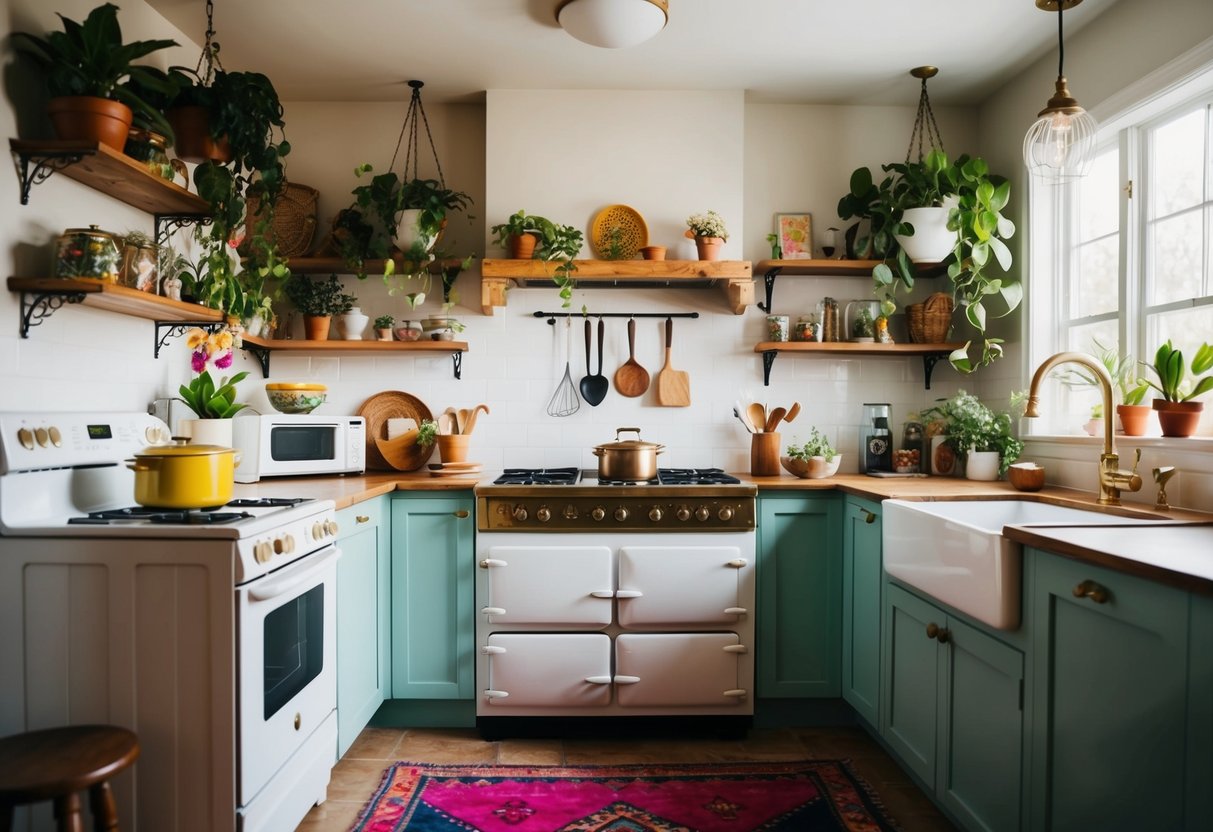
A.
pixel 543 514
pixel 725 514
pixel 331 527
pixel 288 543
pixel 702 513
pixel 570 512
pixel 262 552
pixel 520 513
pixel 598 513
pixel 155 435
pixel 26 437
pixel 683 513
pixel 56 437
pixel 41 435
pixel 317 530
pixel 621 514
pixel 655 514
pixel 279 546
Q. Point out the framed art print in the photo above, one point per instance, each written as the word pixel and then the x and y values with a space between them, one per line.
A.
pixel 795 235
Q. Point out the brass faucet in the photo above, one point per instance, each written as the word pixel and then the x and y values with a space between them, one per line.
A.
pixel 1161 475
pixel 1112 479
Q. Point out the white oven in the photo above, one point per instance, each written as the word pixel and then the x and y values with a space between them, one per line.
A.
pixel 285 445
pixel 601 602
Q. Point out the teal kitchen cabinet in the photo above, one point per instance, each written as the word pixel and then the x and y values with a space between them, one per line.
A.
pixel 363 617
pixel 1121 701
pixel 953 710
pixel 433 567
pixel 862 578
pixel 799 596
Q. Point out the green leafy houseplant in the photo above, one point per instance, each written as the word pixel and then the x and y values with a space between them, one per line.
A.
pixel 1169 368
pixel 384 322
pixel 377 206
pixel 556 243
pixel 971 426
pixel 426 432
pixel 88 58
pixel 816 445
pixel 318 298
pixel 206 397
pixel 1126 387
pixel 518 224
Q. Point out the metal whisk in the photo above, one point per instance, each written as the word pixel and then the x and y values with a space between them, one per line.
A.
pixel 565 400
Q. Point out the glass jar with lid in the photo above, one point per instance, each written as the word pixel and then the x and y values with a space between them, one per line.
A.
pixel 151 149
pixel 88 253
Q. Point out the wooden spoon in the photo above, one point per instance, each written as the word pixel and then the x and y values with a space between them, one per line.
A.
pixel 774 419
pixel 631 379
pixel 471 418
pixel 461 419
pixel 758 416
pixel 793 412
pixel 446 422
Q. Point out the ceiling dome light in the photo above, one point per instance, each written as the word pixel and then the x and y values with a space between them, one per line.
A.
pixel 1059 146
pixel 613 24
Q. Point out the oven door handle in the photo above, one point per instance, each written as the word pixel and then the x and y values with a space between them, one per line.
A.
pixel 598 680
pixel 626 680
pixel 628 593
pixel 274 587
pixel 496 694
pixel 603 593
pixel 735 611
pixel 736 693
pixel 738 563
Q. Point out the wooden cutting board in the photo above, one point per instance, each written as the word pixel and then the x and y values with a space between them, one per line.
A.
pixel 673 386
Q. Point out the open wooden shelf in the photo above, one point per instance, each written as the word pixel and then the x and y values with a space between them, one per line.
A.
pixel 104 169
pixel 304 345
pixel 931 353
pixel 771 269
pixel 734 277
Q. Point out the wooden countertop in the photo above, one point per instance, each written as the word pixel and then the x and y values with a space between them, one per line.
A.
pixel 346 491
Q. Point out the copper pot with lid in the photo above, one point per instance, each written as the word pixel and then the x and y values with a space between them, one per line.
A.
pixel 633 459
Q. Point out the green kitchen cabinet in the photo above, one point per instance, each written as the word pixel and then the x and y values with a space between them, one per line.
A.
pixel 1121 701
pixel 953 710
pixel 433 570
pixel 862 578
pixel 799 596
pixel 363 617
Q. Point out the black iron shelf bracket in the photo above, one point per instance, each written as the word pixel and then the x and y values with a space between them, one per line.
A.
pixel 44 164
pixel 457 361
pixel 552 316
pixel 166 224
pixel 167 330
pixel 262 355
pixel 768 278
pixel 37 307
pixel 768 361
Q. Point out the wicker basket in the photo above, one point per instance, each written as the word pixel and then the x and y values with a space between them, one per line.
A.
pixel 294 219
pixel 930 320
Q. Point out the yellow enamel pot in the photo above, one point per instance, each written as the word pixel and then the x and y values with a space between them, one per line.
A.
pixel 184 476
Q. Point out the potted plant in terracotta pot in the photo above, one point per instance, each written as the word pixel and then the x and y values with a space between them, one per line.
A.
pixel 383 327
pixel 1128 391
pixel 709 234
pixel 318 301
pixel 84 67
pixel 519 234
pixel 1178 412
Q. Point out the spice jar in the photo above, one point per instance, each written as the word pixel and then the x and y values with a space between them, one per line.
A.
pixel 139 263
pixel 777 327
pixel 89 253
pixel 151 149
pixel 805 329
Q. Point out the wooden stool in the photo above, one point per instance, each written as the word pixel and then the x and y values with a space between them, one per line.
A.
pixel 58 763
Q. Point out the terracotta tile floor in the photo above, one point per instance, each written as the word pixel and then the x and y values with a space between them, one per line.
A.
pixel 359 771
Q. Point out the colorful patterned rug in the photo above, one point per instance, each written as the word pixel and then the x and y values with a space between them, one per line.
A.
pixel 803 796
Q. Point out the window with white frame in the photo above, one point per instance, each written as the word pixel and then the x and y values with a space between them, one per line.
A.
pixel 1121 259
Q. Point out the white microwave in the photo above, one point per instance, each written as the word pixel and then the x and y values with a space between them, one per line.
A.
pixel 282 445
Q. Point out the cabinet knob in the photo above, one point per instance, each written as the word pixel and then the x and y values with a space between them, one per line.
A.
pixel 868 517
pixel 1092 590
pixel 463 514
pixel 940 634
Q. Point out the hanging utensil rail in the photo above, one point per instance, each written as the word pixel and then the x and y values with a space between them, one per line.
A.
pixel 552 316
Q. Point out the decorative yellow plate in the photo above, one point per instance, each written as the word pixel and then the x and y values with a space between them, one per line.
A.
pixel 632 235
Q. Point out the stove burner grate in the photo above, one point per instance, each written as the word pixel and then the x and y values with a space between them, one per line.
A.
pixel 538 476
pixel 192 517
pixel 266 502
pixel 695 476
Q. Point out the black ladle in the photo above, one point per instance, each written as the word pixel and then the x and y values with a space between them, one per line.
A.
pixel 594 387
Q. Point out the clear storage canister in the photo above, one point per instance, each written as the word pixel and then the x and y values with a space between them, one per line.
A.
pixel 88 252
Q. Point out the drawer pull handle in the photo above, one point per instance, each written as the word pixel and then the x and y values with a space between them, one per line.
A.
pixel 736 648
pixel 496 694
pixel 736 611
pixel 739 563
pixel 463 514
pixel 736 693
pixel 493 610
pixel 868 517
pixel 492 649
pixel 940 634
pixel 490 563
pixel 603 593
pixel 626 680
pixel 362 518
pixel 1092 590
pixel 628 593
pixel 598 680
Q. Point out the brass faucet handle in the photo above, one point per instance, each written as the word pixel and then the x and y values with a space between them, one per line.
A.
pixel 1161 475
pixel 1136 460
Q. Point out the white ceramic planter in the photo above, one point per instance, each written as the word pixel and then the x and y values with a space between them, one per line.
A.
pixel 350 325
pixel 931 241
pixel 208 431
pixel 982 466
pixel 408 232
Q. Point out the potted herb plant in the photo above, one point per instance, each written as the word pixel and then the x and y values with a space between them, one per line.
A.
pixel 1178 411
pixel 709 233
pixel 519 234
pixel 318 301
pixel 383 327
pixel 978 435
pixel 815 459
pixel 84 67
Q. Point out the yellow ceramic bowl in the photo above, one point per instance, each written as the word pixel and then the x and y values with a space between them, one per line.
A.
pixel 295 398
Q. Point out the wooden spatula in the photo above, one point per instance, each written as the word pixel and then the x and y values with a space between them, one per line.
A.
pixel 631 379
pixel 673 386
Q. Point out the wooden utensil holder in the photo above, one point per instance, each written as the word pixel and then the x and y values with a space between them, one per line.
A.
pixel 453 447
pixel 764 455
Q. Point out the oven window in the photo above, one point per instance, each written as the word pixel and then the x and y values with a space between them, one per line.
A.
pixel 294 648
pixel 300 443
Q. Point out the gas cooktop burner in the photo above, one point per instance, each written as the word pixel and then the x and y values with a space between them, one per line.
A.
pixel 267 502
pixel 538 476
pixel 681 476
pixel 198 517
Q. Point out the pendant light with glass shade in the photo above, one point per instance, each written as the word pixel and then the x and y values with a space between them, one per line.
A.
pixel 1059 146
pixel 613 24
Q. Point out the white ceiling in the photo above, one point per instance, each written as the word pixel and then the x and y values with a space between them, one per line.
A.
pixel 805 51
